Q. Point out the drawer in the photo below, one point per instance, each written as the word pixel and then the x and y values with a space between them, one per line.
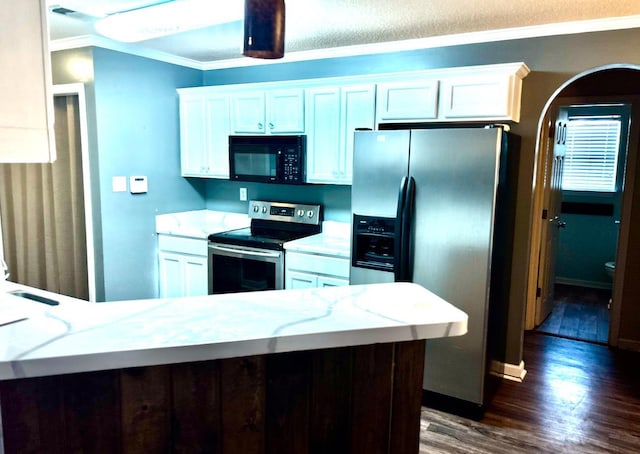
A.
pixel 318 264
pixel 193 246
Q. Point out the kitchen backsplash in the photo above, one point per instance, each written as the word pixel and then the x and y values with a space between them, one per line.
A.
pixel 223 195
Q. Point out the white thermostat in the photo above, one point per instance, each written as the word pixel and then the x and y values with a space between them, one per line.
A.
pixel 138 184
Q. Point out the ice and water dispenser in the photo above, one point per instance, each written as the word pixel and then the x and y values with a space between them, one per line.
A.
pixel 374 244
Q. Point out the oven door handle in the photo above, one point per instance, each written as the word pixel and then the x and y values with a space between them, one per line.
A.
pixel 245 252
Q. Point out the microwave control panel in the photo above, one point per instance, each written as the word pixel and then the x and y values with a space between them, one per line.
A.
pixel 292 166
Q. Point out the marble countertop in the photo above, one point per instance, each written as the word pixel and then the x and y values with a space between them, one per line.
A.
pixel 335 240
pixel 199 223
pixel 78 336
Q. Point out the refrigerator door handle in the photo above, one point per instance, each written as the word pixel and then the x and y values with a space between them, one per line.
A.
pixel 405 233
pixel 400 252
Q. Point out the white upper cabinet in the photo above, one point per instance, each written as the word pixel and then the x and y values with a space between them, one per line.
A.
pixel 271 111
pixel 26 110
pixel 357 111
pixel 405 101
pixel 329 110
pixel 204 134
pixel 333 114
pixel 323 134
pixel 491 96
pixel 249 113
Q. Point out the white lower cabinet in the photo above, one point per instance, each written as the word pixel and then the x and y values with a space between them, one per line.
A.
pixel 182 266
pixel 311 270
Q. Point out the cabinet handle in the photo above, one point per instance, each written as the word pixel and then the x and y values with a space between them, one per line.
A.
pixel 260 126
pixel 270 125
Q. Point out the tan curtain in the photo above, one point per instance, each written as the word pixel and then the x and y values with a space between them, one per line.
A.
pixel 42 213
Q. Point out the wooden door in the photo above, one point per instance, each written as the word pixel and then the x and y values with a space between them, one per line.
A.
pixel 551 216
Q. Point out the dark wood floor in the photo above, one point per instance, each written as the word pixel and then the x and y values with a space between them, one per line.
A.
pixel 579 313
pixel 577 397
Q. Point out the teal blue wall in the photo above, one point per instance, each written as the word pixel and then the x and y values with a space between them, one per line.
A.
pixel 134 130
pixel 138 134
pixel 336 200
pixel 584 245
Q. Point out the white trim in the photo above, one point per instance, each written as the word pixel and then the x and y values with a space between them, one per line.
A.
pixel 508 371
pixel 584 283
pixel 77 89
pixel 533 31
pixel 133 49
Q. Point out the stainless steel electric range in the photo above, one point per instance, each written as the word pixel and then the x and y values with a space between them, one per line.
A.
pixel 252 258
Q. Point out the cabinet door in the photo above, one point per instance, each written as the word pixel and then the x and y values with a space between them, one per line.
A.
pixel 217 127
pixel 324 281
pixel 195 277
pixel 170 278
pixel 249 113
pixel 323 135
pixel 357 110
pixel 26 110
pixel 194 160
pixel 285 111
pixel 407 101
pixel 478 97
pixel 297 280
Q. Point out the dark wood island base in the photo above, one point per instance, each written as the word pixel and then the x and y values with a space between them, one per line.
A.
pixel 363 399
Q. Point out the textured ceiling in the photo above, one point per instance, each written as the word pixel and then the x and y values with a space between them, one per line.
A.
pixel 323 24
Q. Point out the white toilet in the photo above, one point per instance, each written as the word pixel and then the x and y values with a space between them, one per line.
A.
pixel 610 269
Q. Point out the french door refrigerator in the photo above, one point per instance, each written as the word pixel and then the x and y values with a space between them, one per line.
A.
pixel 434 206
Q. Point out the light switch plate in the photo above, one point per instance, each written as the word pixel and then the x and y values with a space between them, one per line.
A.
pixel 119 184
pixel 138 184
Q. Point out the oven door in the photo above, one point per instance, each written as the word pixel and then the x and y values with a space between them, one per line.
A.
pixel 243 269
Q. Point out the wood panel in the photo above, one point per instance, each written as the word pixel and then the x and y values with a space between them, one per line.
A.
pixel 372 383
pixel 243 404
pixel 31 415
pixel 287 424
pixel 91 411
pixel 331 396
pixel 196 418
pixel 344 400
pixel 145 400
pixel 407 397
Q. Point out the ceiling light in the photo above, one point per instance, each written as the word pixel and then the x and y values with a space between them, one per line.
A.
pixel 264 28
pixel 168 18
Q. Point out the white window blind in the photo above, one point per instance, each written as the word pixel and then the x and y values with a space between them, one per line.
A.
pixel 591 160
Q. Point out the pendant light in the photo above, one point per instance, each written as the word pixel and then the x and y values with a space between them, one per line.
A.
pixel 264 28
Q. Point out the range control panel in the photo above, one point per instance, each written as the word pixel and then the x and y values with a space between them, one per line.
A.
pixel 285 212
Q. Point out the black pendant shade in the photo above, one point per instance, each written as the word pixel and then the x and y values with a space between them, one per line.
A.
pixel 264 28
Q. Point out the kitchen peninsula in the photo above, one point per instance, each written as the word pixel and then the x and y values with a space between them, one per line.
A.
pixel 316 370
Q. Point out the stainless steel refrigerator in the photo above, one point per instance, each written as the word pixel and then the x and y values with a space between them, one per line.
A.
pixel 435 207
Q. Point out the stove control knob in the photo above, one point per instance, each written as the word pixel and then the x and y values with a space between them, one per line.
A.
pixel 300 213
pixel 310 213
pixel 264 209
pixel 256 208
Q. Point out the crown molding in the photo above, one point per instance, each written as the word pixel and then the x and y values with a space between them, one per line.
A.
pixel 533 31
pixel 133 49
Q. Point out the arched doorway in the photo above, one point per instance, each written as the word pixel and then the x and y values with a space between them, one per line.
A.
pixel 607 84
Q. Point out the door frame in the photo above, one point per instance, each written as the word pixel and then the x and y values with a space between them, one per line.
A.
pixel 78 89
pixel 542 149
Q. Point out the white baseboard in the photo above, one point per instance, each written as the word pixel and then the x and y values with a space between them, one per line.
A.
pixel 583 283
pixel 513 372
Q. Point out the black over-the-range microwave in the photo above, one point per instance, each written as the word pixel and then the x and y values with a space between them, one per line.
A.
pixel 268 159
